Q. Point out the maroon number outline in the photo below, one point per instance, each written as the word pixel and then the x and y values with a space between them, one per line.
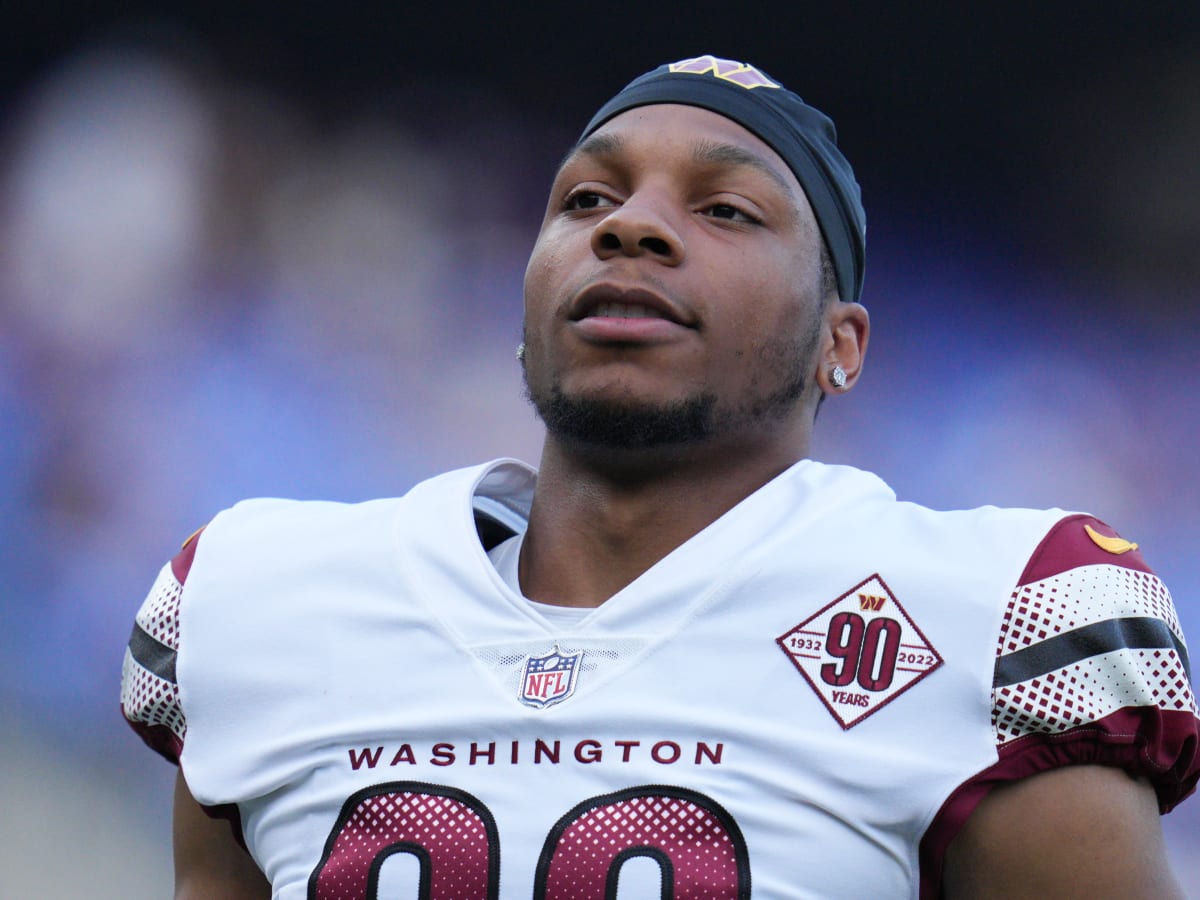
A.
pixel 726 826
pixel 417 789
pixel 740 889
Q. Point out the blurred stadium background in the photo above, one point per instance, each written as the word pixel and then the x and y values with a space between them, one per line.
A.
pixel 254 249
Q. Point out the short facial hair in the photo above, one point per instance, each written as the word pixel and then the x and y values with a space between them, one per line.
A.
pixel 623 425
pixel 618 423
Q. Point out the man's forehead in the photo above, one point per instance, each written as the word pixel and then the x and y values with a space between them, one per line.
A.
pixel 707 138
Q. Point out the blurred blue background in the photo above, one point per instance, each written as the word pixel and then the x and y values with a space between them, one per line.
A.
pixel 252 249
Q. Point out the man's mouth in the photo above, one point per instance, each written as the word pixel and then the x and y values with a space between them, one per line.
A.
pixel 624 311
pixel 612 301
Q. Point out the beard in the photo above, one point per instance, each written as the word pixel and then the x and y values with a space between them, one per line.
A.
pixel 627 423
pixel 624 424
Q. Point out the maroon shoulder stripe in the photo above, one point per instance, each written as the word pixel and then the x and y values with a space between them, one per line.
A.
pixel 181 564
pixel 1068 546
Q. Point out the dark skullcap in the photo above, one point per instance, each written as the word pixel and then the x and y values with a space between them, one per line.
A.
pixel 804 138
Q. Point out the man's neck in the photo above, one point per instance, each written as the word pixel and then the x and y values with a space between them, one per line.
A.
pixel 600 521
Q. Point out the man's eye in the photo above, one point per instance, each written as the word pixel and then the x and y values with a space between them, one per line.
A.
pixel 732 213
pixel 586 200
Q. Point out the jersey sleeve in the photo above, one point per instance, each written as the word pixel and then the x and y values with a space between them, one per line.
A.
pixel 1091 667
pixel 149 691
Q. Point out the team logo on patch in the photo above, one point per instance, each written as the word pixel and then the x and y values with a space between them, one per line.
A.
pixel 725 69
pixel 549 679
pixel 860 652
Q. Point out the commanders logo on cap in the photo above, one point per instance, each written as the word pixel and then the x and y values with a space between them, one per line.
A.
pixel 727 69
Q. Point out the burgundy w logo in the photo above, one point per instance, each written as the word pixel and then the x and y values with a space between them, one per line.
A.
pixel 871 603
pixel 725 69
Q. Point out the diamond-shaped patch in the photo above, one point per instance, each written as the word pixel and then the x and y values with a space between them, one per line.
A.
pixel 860 652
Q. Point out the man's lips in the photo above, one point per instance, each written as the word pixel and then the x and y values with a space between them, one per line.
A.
pixel 612 313
pixel 612 301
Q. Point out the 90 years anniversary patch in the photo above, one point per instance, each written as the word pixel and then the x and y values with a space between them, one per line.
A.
pixel 860 652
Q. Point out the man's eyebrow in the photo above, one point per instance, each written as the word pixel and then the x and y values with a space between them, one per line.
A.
pixel 711 153
pixel 704 152
pixel 594 145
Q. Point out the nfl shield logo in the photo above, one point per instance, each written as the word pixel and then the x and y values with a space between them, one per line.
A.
pixel 549 679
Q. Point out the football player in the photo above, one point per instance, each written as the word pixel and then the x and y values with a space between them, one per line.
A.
pixel 683 659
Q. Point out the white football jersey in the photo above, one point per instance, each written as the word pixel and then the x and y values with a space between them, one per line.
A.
pixel 806 699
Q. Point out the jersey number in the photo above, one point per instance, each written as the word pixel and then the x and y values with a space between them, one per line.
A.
pixel 696 843
pixel 865 650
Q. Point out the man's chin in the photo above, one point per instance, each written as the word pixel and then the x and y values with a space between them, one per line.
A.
pixel 614 425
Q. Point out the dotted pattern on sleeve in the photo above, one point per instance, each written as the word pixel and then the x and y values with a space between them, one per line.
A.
pixel 147 698
pixel 1092 686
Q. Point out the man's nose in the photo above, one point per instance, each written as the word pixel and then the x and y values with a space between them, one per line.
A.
pixel 639 226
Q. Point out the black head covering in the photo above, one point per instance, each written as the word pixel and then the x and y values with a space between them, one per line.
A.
pixel 804 137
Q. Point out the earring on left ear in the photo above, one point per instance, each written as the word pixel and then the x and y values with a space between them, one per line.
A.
pixel 837 377
pixel 521 352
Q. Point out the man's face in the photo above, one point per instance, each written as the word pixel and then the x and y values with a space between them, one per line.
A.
pixel 674 293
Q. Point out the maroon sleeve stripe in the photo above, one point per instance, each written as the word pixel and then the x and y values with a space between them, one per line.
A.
pixel 182 562
pixel 1161 745
pixel 1067 546
pixel 159 738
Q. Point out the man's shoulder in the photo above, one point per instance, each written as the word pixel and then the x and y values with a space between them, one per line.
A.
pixel 432 495
pixel 863 494
pixel 273 514
pixel 1050 541
pixel 1027 545
pixel 260 537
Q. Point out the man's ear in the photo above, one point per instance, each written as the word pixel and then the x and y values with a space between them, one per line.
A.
pixel 848 327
